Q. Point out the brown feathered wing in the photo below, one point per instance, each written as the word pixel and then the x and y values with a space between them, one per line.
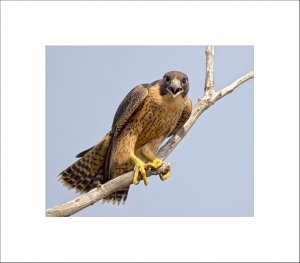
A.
pixel 128 107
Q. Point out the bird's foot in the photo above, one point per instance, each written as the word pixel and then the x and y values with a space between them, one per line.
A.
pixel 156 163
pixel 140 168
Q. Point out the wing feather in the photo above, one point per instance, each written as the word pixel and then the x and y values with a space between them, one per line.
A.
pixel 128 106
pixel 125 111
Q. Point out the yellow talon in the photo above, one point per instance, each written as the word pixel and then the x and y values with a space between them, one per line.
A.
pixel 140 166
pixel 156 163
pixel 165 176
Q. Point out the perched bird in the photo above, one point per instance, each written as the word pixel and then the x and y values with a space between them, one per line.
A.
pixel 145 118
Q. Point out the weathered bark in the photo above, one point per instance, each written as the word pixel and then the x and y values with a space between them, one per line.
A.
pixel 102 191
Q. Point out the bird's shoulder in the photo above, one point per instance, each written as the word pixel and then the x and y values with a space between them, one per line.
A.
pixel 132 101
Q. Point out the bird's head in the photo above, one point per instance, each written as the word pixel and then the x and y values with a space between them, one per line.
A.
pixel 175 83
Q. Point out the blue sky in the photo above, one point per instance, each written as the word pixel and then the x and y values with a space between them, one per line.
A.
pixel 212 171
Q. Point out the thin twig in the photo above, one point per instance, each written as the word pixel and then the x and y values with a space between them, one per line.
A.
pixel 209 76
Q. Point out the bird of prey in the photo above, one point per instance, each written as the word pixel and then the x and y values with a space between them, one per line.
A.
pixel 145 118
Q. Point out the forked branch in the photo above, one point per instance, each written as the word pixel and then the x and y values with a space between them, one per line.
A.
pixel 102 191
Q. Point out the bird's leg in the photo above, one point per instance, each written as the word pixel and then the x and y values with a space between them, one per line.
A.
pixel 156 163
pixel 140 166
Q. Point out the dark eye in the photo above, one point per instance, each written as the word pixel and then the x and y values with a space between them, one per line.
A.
pixel 184 81
pixel 167 78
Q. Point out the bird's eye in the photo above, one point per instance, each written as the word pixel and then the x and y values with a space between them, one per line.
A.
pixel 184 81
pixel 167 78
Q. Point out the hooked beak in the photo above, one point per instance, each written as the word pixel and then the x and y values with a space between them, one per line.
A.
pixel 175 88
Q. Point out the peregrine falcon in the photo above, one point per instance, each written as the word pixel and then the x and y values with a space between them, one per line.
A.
pixel 145 118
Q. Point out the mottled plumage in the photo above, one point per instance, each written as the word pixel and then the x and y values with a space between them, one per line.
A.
pixel 147 115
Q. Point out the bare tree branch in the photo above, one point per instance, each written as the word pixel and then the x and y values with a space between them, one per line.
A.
pixel 102 191
pixel 209 76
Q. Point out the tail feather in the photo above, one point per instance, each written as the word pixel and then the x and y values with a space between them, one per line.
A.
pixel 81 154
pixel 88 171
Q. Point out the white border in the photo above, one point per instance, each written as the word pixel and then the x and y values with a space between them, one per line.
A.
pixel 27 27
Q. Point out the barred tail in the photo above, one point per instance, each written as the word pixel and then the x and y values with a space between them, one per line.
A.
pixel 86 173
